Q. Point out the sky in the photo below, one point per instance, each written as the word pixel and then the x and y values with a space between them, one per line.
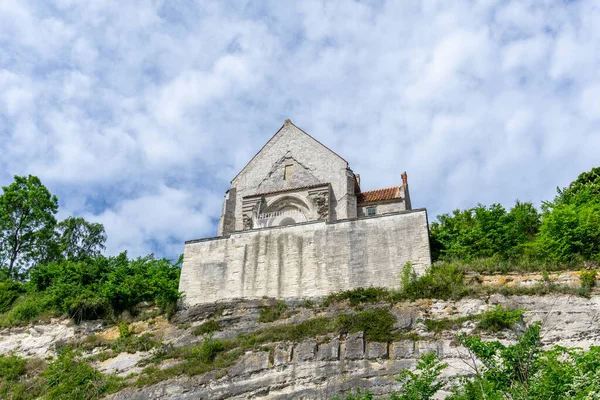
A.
pixel 137 114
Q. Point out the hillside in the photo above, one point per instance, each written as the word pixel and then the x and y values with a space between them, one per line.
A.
pixel 303 348
pixel 510 298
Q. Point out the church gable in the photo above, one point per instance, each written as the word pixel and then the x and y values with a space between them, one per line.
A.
pixel 287 173
pixel 308 153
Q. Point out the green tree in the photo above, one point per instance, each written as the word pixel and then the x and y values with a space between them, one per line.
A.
pixel 79 239
pixel 26 223
pixel 425 382
pixel 584 189
pixel 571 223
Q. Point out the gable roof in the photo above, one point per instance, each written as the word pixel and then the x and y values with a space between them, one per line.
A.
pixel 391 193
pixel 285 123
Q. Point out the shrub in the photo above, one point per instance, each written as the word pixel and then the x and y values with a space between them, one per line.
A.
pixel 272 313
pixel 9 292
pixel 361 295
pixel 209 350
pixel 376 324
pixel 441 281
pixel 12 367
pixel 68 378
pixel 499 318
pixel 207 327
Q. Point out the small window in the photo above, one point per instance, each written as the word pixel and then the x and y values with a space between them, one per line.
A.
pixel 371 211
pixel 287 174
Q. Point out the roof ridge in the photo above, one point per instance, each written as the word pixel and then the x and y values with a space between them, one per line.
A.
pixel 386 188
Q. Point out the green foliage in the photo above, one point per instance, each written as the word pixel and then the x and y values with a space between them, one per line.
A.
pixel 524 370
pixel 68 378
pixel 570 231
pixel 425 382
pixel 360 295
pixel 207 327
pixel 209 350
pixel 499 318
pixel 484 232
pixel 79 239
pixel 12 367
pixel 26 224
pixel 446 324
pixel 98 287
pixel 377 324
pixel 289 332
pixel 9 292
pixel 565 232
pixel 588 281
pixel 440 281
pixel 272 313
pixel 583 190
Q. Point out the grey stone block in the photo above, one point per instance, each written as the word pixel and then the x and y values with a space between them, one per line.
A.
pixel 403 349
pixel 377 350
pixel 329 351
pixel 305 351
pixel 282 354
pixel 424 347
pixel 354 347
pixel 250 362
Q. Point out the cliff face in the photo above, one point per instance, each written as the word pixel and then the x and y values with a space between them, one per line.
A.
pixel 320 366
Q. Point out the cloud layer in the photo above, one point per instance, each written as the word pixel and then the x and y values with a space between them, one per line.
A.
pixel 139 115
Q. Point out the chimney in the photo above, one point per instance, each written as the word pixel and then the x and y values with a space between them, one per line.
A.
pixel 404 179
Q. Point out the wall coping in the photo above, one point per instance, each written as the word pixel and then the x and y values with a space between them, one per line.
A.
pixel 341 221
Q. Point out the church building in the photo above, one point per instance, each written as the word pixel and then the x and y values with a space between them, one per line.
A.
pixel 294 178
pixel 295 223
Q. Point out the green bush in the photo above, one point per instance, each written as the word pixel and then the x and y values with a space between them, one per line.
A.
pixel 68 378
pixel 9 292
pixel 361 295
pixel 207 327
pixel 272 313
pixel 12 367
pixel 441 281
pixel 499 318
pixel 376 324
pixel 209 350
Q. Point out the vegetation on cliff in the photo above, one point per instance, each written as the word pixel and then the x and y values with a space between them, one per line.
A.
pixel 50 268
pixel 565 232
pixel 519 371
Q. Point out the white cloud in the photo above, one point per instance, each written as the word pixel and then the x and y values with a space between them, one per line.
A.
pixel 138 116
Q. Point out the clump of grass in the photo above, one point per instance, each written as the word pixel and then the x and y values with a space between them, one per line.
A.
pixel 289 332
pixel 377 324
pixel 360 296
pixel 207 327
pixel 447 324
pixel 273 313
pixel 440 281
pixel 499 318
pixel 588 281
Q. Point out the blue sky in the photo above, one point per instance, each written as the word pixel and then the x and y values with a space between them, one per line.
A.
pixel 138 114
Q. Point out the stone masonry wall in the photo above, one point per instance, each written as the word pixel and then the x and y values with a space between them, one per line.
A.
pixel 313 163
pixel 305 260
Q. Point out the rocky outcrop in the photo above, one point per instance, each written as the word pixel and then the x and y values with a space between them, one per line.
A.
pixel 315 367
pixel 325 367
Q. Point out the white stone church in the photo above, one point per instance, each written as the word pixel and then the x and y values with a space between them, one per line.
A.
pixel 295 223
pixel 294 178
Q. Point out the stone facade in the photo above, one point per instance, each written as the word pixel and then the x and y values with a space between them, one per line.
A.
pixel 296 223
pixel 306 260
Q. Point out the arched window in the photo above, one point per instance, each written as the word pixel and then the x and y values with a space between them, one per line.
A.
pixel 287 221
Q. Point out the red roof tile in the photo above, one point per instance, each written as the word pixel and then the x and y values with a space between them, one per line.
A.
pixel 369 196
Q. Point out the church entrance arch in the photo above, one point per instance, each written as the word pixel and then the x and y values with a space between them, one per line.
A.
pixel 284 210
